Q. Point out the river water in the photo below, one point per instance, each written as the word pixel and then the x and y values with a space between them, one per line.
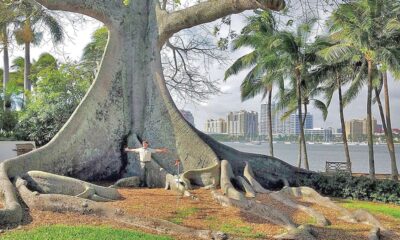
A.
pixel 318 154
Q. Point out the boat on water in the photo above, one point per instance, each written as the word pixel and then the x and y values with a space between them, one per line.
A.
pixel 255 142
pixel 287 143
pixel 311 143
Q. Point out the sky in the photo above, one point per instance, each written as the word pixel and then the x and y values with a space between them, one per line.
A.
pixel 78 35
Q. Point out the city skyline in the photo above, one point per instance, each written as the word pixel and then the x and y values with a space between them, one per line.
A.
pixel 287 126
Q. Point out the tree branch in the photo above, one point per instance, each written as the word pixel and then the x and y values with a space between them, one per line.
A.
pixel 100 10
pixel 208 11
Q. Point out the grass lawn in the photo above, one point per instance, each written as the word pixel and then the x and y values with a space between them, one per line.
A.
pixel 182 214
pixel 373 207
pixel 61 232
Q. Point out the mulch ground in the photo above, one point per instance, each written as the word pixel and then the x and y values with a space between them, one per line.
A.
pixel 205 213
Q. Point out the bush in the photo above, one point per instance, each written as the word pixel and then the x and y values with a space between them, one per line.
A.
pixel 347 186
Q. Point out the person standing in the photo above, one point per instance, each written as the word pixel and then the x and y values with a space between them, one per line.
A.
pixel 145 158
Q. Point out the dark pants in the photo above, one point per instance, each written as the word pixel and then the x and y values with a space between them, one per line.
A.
pixel 143 173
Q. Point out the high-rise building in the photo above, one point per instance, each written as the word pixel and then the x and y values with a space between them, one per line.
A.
pixel 325 135
pixel 216 126
pixel 356 129
pixel 243 123
pixel 295 123
pixel 279 126
pixel 188 116
pixel 365 125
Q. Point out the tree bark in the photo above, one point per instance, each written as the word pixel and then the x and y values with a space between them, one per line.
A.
pixel 342 122
pixel 300 117
pixel 27 69
pixel 208 11
pixel 369 124
pixel 270 135
pixel 304 139
pixel 389 135
pixel 129 102
pixel 6 69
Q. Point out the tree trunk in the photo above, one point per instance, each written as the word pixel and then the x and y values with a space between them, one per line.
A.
pixel 6 70
pixel 129 102
pixel 300 117
pixel 304 139
pixel 389 137
pixel 27 69
pixel 369 123
pixel 270 136
pixel 342 122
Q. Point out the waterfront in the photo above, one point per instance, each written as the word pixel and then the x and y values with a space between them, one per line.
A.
pixel 318 154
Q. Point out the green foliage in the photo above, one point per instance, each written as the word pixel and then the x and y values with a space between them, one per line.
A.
pixel 8 119
pixel 60 232
pixel 58 93
pixel 361 188
pixel 93 52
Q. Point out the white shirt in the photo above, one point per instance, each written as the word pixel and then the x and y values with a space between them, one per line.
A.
pixel 144 153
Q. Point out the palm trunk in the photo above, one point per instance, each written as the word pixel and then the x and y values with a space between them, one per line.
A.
pixel 6 71
pixel 300 118
pixel 271 143
pixel 342 122
pixel 389 137
pixel 27 69
pixel 381 111
pixel 369 124
pixel 304 139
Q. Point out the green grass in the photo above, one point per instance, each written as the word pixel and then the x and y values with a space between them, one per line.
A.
pixel 233 227
pixel 61 232
pixel 182 214
pixel 378 208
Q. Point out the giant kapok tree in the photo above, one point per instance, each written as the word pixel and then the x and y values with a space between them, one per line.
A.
pixel 129 102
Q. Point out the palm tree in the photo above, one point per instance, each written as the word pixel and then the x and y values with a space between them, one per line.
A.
pixel 358 27
pixel 298 55
pixel 263 64
pixel 334 76
pixel 93 52
pixel 7 14
pixel 33 18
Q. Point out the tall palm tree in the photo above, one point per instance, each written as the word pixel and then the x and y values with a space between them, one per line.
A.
pixel 358 26
pixel 29 31
pixel 298 54
pixel 93 51
pixel 263 75
pixel 7 13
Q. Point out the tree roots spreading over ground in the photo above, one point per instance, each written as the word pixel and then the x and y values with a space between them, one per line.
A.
pixel 129 102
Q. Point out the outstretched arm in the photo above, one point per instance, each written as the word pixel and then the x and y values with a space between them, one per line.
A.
pixel 127 149
pixel 161 150
pixel 209 11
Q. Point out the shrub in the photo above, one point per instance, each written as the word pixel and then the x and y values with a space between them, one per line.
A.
pixel 347 186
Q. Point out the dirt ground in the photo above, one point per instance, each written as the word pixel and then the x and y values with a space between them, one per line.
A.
pixel 205 213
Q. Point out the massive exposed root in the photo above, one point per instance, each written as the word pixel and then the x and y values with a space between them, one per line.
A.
pixel 66 203
pixel 47 183
pixel 233 189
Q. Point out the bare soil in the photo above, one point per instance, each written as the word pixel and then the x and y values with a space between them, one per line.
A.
pixel 205 213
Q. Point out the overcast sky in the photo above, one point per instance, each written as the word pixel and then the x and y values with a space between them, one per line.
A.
pixel 229 100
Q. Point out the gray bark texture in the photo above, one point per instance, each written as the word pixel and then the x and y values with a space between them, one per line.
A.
pixel 389 138
pixel 6 66
pixel 342 122
pixel 369 124
pixel 129 102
